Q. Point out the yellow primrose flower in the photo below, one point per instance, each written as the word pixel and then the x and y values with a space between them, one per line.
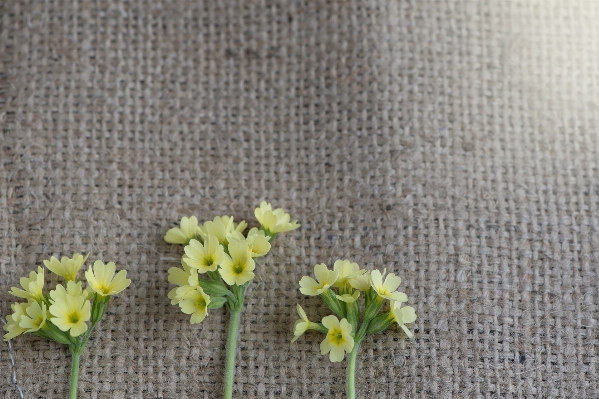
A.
pixel 347 271
pixel 276 221
pixel 221 227
pixel 204 257
pixel 257 241
pixel 71 313
pixel 12 326
pixel 326 278
pixel 33 286
pixel 73 289
pixel 347 298
pixel 182 235
pixel 100 278
pixel 68 268
pixel 361 282
pixel 403 316
pixel 387 289
pixel 302 325
pixel 238 266
pixel 338 339
pixel 35 317
pixel 196 304
pixel 186 279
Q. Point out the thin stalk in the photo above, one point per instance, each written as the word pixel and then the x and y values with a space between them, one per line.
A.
pixel 74 375
pixel 232 341
pixel 351 372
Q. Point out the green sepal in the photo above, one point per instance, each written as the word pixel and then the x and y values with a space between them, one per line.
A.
pixel 217 302
pixel 352 310
pixel 212 287
pixel 373 305
pixel 333 303
pixel 380 323
pixel 318 327
pixel 54 334
pixel 99 307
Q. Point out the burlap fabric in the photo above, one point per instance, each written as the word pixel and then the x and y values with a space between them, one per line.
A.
pixel 452 142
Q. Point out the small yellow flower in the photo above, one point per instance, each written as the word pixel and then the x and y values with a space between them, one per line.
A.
pixel 302 325
pixel 182 235
pixel 257 241
pixel 388 288
pixel 326 278
pixel 347 271
pixel 100 278
pixel 196 304
pixel 338 339
pixel 12 326
pixel 32 286
pixel 68 268
pixel 361 282
pixel 403 316
pixel 35 317
pixel 71 313
pixel 238 266
pixel 186 279
pixel 349 298
pixel 204 257
pixel 276 221
pixel 73 289
pixel 221 227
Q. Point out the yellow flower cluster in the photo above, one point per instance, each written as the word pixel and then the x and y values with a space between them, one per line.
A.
pixel 219 249
pixel 340 289
pixel 63 313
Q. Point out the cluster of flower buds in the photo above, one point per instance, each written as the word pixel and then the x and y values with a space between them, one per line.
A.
pixel 63 314
pixel 341 289
pixel 223 256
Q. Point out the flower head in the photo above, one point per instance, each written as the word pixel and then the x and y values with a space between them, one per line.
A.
pixel 204 257
pixel 258 242
pixel 70 313
pixel 32 286
pixel 338 339
pixel 403 316
pixel 186 279
pixel 182 235
pixel 68 268
pixel 360 282
pixel 388 288
pixel 276 221
pixel 238 266
pixel 347 271
pixel 12 326
pixel 302 325
pixel 195 303
pixel 34 317
pixel 102 279
pixel 221 227
pixel 349 298
pixel 325 279
pixel 72 289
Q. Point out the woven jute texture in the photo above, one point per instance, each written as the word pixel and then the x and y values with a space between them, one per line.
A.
pixel 455 143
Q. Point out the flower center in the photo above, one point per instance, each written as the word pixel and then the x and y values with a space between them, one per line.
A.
pixel 201 303
pixel 74 318
pixel 336 336
pixel 238 268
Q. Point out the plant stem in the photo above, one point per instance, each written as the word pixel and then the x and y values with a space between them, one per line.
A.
pixel 351 372
pixel 74 375
pixel 232 346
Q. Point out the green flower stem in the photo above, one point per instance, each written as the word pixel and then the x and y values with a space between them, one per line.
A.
pixel 74 375
pixel 351 372
pixel 236 310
